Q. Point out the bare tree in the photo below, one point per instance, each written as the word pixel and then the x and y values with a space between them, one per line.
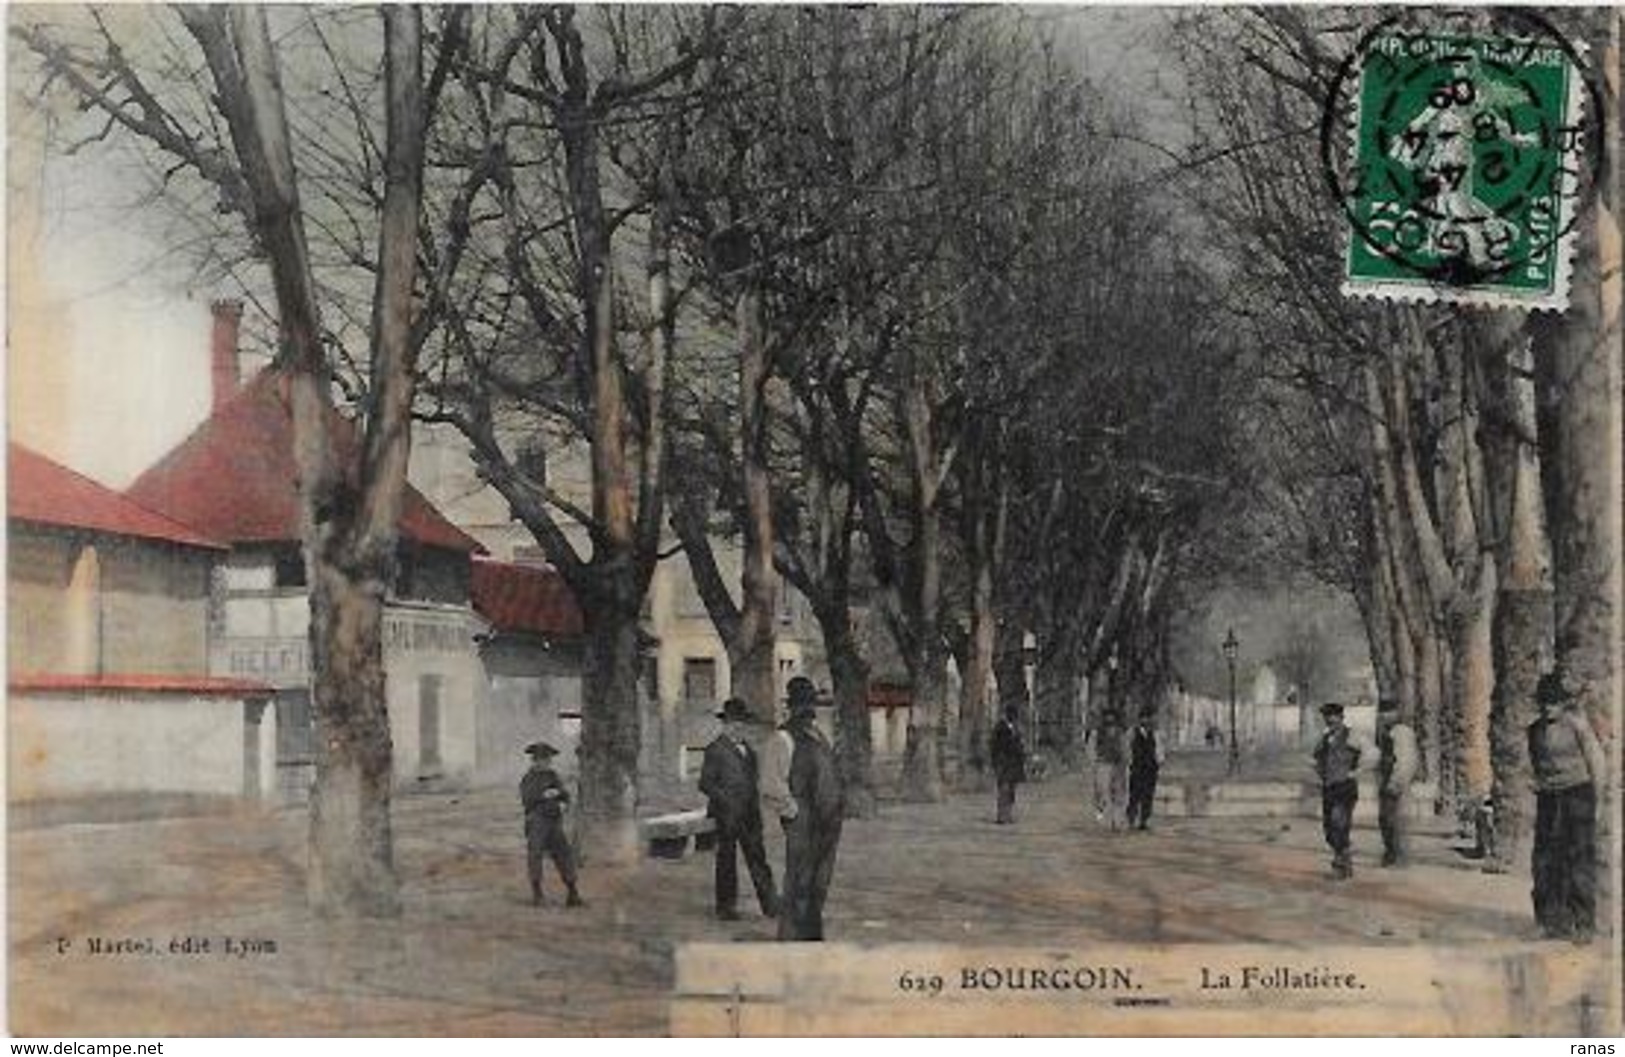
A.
pixel 350 508
pixel 533 355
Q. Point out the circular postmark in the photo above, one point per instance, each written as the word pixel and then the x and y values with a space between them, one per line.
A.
pixel 1459 145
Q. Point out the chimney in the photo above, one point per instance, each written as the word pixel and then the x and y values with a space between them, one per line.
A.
pixel 228 315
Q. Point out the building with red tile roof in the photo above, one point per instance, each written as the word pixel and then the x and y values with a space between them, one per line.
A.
pixel 43 492
pixel 235 477
pixel 109 692
pixel 531 651
pixel 99 583
pixel 524 599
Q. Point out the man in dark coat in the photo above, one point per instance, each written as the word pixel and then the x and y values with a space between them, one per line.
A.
pixel 1144 763
pixel 1337 764
pixel 1569 767
pixel 1009 757
pixel 728 778
pixel 544 796
pixel 802 787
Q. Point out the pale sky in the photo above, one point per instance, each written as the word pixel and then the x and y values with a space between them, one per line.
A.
pixel 133 352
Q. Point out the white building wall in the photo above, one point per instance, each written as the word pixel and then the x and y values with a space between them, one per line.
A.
pixel 67 745
pixel 264 636
pixel 437 642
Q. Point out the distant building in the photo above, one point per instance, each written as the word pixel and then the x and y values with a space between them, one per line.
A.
pixel 532 657
pixel 108 638
pixel 686 674
pixel 690 668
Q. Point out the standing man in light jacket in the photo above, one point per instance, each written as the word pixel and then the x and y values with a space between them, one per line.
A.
pixel 1396 770
pixel 1569 767
pixel 802 789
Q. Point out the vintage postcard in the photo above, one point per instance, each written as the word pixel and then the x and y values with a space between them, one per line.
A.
pixel 564 520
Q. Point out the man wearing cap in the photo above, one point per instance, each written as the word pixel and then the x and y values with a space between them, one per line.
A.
pixel 1337 763
pixel 728 778
pixel 1397 764
pixel 802 788
pixel 1569 767
pixel 544 796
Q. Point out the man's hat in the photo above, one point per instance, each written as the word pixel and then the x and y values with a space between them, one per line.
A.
pixel 1550 689
pixel 541 749
pixel 1331 708
pixel 734 709
pixel 802 694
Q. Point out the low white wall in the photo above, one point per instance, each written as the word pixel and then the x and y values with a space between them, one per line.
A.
pixel 67 745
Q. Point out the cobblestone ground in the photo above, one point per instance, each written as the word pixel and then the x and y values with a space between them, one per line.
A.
pixel 470 956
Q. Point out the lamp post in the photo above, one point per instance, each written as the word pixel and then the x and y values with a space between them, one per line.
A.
pixel 1230 648
pixel 1029 675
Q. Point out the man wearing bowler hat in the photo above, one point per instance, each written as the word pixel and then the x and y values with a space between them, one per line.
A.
pixel 728 778
pixel 1337 763
pixel 544 796
pixel 802 787
pixel 1569 767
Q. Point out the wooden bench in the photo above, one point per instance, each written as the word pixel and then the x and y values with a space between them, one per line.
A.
pixel 670 836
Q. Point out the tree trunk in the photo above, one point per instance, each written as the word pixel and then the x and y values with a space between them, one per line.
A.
pixel 923 756
pixel 923 753
pixel 352 867
pixel 610 715
pixel 1462 731
pixel 1578 360
pixel 1009 665
pixel 352 862
pixel 755 675
pixel 849 673
pixel 1523 618
pixel 1371 598
pixel 1474 679
pixel 348 514
pixel 610 734
pixel 1055 685
pixel 1401 587
pixel 974 722
pixel 1395 626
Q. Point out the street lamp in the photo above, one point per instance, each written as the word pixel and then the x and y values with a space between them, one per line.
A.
pixel 1029 674
pixel 1230 648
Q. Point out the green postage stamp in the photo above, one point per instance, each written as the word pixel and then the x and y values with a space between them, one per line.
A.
pixel 1463 179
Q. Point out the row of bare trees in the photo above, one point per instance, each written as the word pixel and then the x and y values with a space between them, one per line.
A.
pixel 1450 469
pixel 881 293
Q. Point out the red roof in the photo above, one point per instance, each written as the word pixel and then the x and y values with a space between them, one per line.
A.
pixel 235 476
pixel 48 493
pixel 889 695
pixel 524 598
pixel 147 684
